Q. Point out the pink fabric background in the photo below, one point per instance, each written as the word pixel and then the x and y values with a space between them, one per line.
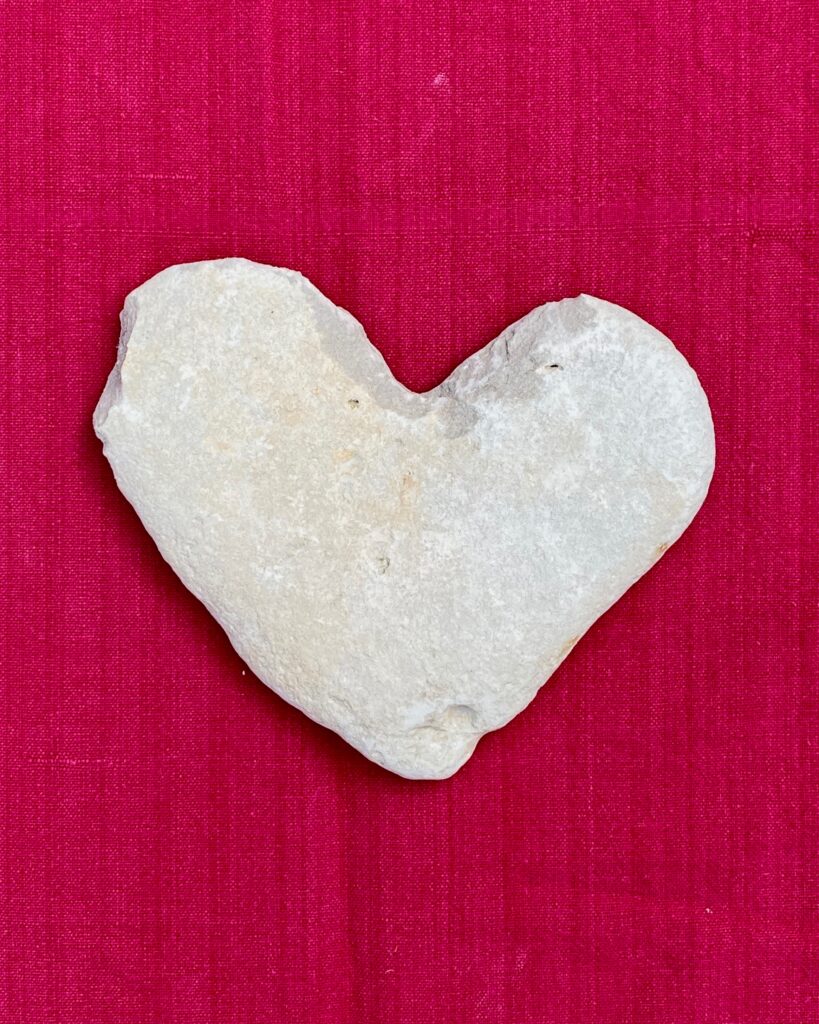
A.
pixel 176 843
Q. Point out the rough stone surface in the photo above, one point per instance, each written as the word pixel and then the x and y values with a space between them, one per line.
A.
pixel 406 569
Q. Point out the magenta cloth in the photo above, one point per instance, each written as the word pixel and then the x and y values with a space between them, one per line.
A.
pixel 640 846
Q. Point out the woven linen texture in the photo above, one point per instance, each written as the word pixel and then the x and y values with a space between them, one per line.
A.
pixel 176 843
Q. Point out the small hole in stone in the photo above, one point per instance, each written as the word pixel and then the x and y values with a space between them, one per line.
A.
pixel 555 366
pixel 353 403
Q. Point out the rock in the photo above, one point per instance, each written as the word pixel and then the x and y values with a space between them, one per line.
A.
pixel 406 569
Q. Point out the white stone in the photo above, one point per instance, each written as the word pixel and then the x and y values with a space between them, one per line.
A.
pixel 406 569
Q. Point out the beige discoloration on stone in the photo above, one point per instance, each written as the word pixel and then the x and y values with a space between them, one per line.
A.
pixel 406 569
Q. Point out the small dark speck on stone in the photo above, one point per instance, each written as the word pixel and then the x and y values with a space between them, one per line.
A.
pixel 353 403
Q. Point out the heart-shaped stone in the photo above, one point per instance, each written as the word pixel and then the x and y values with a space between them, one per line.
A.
pixel 407 569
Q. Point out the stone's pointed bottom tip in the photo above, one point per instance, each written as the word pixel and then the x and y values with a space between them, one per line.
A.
pixel 427 766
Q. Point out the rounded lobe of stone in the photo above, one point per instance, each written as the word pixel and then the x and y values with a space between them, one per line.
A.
pixel 407 569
